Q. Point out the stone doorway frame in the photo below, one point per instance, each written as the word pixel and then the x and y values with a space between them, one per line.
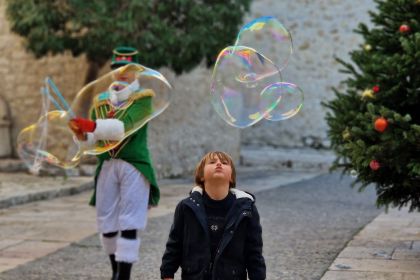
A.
pixel 5 126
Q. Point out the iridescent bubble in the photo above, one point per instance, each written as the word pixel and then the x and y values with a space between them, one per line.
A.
pixel 290 103
pixel 239 78
pixel 269 37
pixel 148 83
pixel 246 83
pixel 133 94
pixel 49 141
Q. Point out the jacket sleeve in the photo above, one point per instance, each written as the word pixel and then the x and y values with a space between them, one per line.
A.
pixel 172 257
pixel 139 111
pixel 255 262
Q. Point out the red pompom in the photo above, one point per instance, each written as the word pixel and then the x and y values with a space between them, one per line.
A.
pixel 374 165
pixel 376 89
pixel 84 125
pixel 404 28
pixel 381 124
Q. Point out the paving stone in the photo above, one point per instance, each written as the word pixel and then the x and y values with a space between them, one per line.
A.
pixel 384 243
pixel 403 254
pixel 7 263
pixel 376 265
pixel 366 253
pixel 357 275
pixel 32 249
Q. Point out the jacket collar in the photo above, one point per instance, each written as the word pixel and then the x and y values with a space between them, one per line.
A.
pixel 238 193
pixel 125 93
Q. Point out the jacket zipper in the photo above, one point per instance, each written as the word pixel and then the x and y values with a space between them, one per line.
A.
pixel 218 247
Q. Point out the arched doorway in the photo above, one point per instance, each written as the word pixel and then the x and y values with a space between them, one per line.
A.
pixel 5 124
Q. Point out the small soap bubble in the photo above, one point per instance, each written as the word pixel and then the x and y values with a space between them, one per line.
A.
pixel 290 101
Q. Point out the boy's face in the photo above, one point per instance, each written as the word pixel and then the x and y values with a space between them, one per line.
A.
pixel 217 170
pixel 127 76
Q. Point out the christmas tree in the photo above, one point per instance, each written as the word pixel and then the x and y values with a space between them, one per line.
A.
pixel 374 126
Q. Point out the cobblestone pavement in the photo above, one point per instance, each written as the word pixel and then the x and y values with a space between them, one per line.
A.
pixel 36 229
pixel 305 225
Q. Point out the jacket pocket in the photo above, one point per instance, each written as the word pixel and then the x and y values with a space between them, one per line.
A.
pixel 234 271
pixel 192 270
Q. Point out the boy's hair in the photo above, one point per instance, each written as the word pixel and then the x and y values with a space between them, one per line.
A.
pixel 199 170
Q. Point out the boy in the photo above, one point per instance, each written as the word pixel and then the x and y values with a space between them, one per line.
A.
pixel 125 183
pixel 216 233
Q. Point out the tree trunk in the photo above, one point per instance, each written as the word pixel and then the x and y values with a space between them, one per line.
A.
pixel 93 70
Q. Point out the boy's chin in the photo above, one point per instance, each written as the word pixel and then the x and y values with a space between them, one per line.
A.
pixel 220 179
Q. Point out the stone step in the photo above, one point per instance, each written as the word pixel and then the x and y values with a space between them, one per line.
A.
pixel 12 165
pixel 19 188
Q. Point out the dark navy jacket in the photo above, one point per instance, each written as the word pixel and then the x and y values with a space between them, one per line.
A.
pixel 239 253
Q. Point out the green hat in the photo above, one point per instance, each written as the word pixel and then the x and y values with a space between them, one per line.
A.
pixel 124 55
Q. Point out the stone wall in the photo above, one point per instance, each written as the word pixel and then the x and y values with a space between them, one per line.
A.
pixel 21 76
pixel 178 138
pixel 321 30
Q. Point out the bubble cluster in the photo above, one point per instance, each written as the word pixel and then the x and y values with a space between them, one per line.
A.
pixel 247 84
pixel 50 140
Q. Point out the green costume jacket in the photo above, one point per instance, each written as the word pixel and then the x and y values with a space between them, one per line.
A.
pixel 134 148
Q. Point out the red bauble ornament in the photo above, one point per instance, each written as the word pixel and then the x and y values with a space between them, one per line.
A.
pixel 404 28
pixel 376 89
pixel 381 124
pixel 374 165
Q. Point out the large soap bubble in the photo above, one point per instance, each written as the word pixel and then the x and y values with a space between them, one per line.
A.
pixel 247 84
pixel 111 96
pixel 239 74
pixel 49 141
pixel 152 84
pixel 269 37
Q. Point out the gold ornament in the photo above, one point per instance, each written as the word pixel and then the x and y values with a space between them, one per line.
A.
pixel 346 134
pixel 368 94
pixel 368 47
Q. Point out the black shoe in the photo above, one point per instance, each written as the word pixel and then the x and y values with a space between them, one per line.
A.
pixel 114 266
pixel 124 270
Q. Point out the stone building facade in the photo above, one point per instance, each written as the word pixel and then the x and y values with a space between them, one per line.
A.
pixel 321 30
pixel 178 138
